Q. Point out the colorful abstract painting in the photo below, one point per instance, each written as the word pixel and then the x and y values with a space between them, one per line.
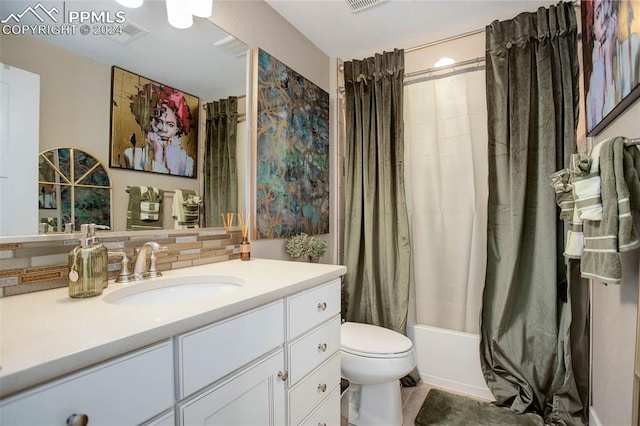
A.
pixel 292 146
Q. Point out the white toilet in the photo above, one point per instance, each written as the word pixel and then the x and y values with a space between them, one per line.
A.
pixel 373 360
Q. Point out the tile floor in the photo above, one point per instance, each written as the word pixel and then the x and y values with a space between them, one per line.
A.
pixel 412 399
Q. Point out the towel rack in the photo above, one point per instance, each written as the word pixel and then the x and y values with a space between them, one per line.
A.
pixel 128 188
pixel 630 142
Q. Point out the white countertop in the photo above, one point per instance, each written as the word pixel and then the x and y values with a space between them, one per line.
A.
pixel 46 334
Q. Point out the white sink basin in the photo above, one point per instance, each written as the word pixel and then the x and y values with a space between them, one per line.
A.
pixel 162 291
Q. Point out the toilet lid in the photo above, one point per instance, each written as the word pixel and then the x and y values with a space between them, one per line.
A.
pixel 370 340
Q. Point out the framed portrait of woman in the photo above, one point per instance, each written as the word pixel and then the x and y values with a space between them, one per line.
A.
pixel 611 59
pixel 154 127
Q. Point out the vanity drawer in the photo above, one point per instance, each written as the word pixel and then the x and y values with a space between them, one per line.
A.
pixel 125 391
pixel 310 392
pixel 327 414
pixel 312 307
pixel 210 353
pixel 313 349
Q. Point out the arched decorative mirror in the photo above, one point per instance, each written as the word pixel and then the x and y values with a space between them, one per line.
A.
pixel 73 188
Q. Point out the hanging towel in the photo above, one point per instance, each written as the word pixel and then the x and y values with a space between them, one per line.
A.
pixel 560 181
pixel 186 209
pixel 145 208
pixel 585 182
pixel 615 233
pixel 564 193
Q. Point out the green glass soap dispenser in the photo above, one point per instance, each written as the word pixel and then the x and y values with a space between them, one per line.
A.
pixel 88 274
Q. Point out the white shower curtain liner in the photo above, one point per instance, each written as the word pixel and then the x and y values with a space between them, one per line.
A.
pixel 446 170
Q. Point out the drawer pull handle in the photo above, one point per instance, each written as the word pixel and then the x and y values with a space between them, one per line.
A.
pixel 322 387
pixel 78 420
pixel 322 424
pixel 322 306
pixel 284 375
pixel 322 347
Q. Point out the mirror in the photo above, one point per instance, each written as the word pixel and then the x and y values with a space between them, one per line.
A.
pixel 74 188
pixel 75 77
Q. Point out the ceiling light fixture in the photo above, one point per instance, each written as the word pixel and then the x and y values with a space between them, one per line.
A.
pixel 130 3
pixel 443 62
pixel 178 15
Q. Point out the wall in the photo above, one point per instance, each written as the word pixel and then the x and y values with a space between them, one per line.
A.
pixel 613 320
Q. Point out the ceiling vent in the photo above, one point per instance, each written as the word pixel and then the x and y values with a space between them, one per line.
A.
pixel 232 46
pixel 130 32
pixel 358 5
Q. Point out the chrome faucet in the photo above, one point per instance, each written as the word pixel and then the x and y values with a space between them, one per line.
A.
pixel 140 271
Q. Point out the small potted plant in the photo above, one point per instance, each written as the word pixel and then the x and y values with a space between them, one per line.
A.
pixel 305 247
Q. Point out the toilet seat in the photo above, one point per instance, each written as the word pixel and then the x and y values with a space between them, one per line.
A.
pixel 373 342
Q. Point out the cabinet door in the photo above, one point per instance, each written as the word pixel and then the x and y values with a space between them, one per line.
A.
pixel 255 396
pixel 19 146
pixel 125 391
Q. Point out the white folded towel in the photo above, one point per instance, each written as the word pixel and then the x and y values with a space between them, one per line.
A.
pixel 586 192
pixel 575 238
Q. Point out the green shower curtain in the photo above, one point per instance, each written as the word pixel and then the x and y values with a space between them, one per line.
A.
pixel 534 347
pixel 220 166
pixel 376 243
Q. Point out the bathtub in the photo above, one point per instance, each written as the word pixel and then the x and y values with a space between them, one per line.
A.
pixel 449 359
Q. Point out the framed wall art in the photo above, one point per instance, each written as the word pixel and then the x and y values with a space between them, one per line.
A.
pixel 154 127
pixel 292 152
pixel 611 59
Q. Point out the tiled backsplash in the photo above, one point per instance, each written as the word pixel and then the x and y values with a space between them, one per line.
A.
pixel 37 264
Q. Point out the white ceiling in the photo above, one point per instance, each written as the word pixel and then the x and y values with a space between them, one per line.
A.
pixel 337 31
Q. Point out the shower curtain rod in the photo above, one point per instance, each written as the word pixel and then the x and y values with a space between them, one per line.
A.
pixel 436 69
pixel 444 40
pixel 576 3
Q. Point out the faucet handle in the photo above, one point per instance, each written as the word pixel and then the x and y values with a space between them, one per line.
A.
pixel 153 271
pixel 124 276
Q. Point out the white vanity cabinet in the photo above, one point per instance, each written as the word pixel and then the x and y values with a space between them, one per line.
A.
pixel 313 349
pixel 277 364
pixel 127 390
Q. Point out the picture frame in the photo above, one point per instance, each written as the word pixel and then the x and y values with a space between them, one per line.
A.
pixel 154 127
pixel 291 152
pixel 611 59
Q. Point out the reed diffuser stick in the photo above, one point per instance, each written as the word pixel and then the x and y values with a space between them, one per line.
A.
pixel 243 225
pixel 245 246
pixel 227 220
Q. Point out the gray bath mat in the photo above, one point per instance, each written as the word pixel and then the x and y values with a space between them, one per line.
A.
pixel 446 409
